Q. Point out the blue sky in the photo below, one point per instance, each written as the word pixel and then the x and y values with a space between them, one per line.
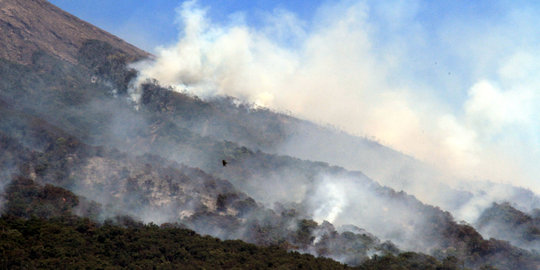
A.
pixel 148 24
pixel 154 20
pixel 453 83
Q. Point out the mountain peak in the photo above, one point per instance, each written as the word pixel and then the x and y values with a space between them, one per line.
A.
pixel 27 26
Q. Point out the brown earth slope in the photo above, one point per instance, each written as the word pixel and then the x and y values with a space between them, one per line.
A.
pixel 27 26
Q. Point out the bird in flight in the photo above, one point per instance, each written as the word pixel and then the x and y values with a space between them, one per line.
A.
pixel 224 163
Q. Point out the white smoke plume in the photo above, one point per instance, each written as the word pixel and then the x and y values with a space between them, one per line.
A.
pixel 329 200
pixel 456 94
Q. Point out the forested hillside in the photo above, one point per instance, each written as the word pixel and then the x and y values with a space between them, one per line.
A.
pixel 91 157
pixel 39 230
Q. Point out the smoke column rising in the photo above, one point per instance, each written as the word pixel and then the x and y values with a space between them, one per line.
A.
pixel 460 98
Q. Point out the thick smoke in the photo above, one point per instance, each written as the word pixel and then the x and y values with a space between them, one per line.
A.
pixel 379 70
pixel 345 200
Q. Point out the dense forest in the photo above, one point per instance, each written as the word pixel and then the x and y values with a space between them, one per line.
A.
pixel 39 230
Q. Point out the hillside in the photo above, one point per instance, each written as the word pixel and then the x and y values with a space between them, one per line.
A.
pixel 31 223
pixel 58 158
pixel 503 221
pixel 40 231
pixel 30 26
pixel 74 140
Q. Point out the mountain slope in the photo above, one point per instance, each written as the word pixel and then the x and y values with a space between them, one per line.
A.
pixel 27 26
pixel 54 238
pixel 71 124
pixel 503 221
pixel 152 130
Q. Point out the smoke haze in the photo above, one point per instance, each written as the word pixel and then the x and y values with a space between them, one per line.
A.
pixel 355 66
pixel 454 94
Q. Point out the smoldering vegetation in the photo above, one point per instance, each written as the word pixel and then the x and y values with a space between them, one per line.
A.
pixel 464 198
pixel 143 187
pixel 158 159
pixel 467 201
pixel 503 221
pixel 152 189
pixel 343 67
pixel 226 118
